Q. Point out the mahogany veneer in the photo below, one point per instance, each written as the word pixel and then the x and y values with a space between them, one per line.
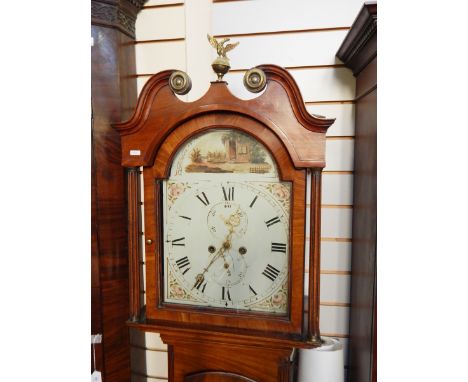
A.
pixel 212 344
pixel 113 96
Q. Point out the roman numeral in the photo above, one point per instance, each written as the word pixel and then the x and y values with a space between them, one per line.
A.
pixel 185 217
pixel 179 242
pixel 253 201
pixel 278 247
pixel 271 272
pixel 229 194
pixel 253 290
pixel 200 286
pixel 183 262
pixel 202 198
pixel 225 294
pixel 272 221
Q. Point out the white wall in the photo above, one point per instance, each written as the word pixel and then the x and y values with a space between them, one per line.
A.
pixel 309 34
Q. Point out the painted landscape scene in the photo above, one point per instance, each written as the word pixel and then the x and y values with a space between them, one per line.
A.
pixel 226 151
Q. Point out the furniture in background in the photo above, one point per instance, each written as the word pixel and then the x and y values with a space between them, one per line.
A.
pixel 359 53
pixel 114 95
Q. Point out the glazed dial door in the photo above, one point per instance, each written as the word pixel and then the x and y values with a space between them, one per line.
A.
pixel 226 226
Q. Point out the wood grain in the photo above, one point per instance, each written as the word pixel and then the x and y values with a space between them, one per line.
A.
pixel 363 293
pixel 313 331
pixel 112 59
pixel 160 170
pixel 286 118
pixel 206 343
pixel 134 241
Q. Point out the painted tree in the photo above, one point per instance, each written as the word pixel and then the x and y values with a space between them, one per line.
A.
pixel 257 153
pixel 196 156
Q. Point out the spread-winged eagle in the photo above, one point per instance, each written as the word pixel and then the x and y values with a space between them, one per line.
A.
pixel 219 45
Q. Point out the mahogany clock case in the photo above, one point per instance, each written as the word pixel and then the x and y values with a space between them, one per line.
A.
pixel 295 139
pixel 222 318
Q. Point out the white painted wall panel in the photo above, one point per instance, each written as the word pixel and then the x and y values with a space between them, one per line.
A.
pixel 325 84
pixel 236 86
pixel 335 256
pixel 153 363
pixel 345 343
pixel 140 378
pixel 339 155
pixel 153 58
pixel 334 288
pixel 146 339
pixel 334 319
pixel 141 81
pixel 315 84
pixel 277 15
pixel 344 114
pixel 199 51
pixel 337 222
pixel 337 189
pixel 143 277
pixel 299 49
pixel 160 23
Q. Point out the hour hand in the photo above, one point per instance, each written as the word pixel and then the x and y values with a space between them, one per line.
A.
pixel 198 281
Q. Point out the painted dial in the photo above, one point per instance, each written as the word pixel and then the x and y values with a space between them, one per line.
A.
pixel 227 244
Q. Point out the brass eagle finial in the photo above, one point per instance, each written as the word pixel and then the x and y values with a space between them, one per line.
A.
pixel 219 45
pixel 221 64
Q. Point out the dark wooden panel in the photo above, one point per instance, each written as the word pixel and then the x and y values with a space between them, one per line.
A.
pixel 113 96
pixel 199 360
pixel 367 79
pixel 360 44
pixel 359 53
pixel 363 292
pixel 96 324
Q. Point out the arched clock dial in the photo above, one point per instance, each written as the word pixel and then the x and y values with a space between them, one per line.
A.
pixel 227 239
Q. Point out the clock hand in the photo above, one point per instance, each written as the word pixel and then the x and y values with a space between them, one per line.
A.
pixel 232 221
pixel 199 278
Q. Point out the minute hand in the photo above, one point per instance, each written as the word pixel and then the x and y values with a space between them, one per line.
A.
pixel 226 245
pixel 199 278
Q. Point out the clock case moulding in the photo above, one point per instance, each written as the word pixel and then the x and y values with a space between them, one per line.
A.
pixel 278 119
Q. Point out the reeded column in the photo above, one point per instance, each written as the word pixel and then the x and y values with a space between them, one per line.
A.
pixel 313 332
pixel 134 244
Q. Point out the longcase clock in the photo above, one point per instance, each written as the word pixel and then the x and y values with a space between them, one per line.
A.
pixel 225 196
